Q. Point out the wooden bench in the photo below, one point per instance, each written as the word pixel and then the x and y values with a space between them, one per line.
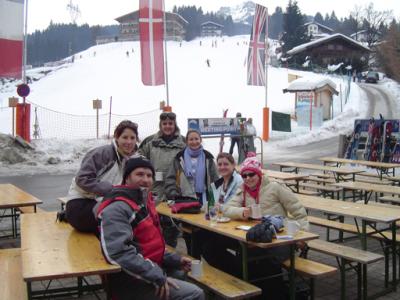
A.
pixel 311 270
pixel 29 209
pixel 222 284
pixel 391 199
pixel 361 178
pixel 320 180
pixel 12 286
pixel 323 190
pixel 348 256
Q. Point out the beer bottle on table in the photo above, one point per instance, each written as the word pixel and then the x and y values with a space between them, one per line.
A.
pixel 210 201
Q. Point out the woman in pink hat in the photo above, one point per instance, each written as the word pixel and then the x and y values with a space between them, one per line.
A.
pixel 272 197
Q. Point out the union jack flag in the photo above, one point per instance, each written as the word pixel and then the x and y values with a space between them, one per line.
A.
pixel 256 55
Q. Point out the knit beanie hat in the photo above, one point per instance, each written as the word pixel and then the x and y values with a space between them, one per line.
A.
pixel 134 163
pixel 252 164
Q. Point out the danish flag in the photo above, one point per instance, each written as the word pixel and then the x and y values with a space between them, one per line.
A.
pixel 11 37
pixel 151 29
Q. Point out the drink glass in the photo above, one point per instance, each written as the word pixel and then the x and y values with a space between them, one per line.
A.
pixel 213 213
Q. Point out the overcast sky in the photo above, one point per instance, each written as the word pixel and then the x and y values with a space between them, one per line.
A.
pixel 103 12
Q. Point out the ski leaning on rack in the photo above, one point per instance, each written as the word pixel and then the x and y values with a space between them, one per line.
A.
pixel 386 152
pixel 367 151
pixel 351 151
pixel 376 145
pixel 221 142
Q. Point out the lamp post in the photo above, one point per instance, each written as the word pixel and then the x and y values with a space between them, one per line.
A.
pixel 97 104
pixel 13 102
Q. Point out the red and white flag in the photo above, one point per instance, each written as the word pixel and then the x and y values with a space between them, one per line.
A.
pixel 256 55
pixel 11 37
pixel 151 29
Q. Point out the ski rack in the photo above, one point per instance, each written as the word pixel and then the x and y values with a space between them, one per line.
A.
pixel 243 136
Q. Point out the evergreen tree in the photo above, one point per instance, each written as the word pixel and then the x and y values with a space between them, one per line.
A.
pixel 275 25
pixel 318 18
pixel 294 32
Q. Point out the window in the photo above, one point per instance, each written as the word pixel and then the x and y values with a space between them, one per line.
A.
pixel 331 47
pixel 339 47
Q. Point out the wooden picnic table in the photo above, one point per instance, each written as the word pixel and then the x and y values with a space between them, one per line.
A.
pixel 338 172
pixel 285 176
pixel 367 189
pixel 52 250
pixel 12 197
pixel 229 230
pixel 369 215
pixel 382 167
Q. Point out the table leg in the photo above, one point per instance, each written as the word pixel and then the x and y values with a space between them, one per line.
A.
pixel 245 266
pixel 342 279
pixel 292 283
pixel 394 254
pixel 29 290
pixel 364 266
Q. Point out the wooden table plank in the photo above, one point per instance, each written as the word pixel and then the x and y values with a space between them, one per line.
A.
pixel 368 187
pixel 350 209
pixel 374 164
pixel 342 171
pixel 285 176
pixel 12 286
pixel 229 229
pixel 53 250
pixel 11 197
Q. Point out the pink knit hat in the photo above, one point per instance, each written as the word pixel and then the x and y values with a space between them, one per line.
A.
pixel 252 164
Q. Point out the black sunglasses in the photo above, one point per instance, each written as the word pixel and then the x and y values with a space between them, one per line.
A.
pixel 244 176
pixel 167 115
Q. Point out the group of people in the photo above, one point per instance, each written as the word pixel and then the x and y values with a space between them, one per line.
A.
pixel 118 186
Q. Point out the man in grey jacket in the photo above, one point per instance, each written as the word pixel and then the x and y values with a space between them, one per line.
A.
pixel 131 237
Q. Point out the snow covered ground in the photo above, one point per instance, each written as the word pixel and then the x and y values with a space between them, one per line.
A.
pixel 195 89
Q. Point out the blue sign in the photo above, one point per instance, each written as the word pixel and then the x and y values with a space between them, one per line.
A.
pixel 210 126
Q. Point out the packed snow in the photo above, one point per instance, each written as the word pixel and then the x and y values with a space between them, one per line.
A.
pixel 195 90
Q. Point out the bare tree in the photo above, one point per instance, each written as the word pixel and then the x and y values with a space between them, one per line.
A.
pixel 389 52
pixel 357 15
pixel 373 19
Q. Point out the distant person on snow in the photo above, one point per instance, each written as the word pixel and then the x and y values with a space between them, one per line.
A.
pixel 235 139
pixel 101 168
pixel 127 53
pixel 250 132
pixel 208 62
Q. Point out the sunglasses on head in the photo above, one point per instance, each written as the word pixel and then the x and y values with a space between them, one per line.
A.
pixel 251 175
pixel 167 115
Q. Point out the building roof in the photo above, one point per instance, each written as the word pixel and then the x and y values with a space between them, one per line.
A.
pixel 311 85
pixel 135 15
pixel 209 22
pixel 312 44
pixel 357 33
pixel 320 25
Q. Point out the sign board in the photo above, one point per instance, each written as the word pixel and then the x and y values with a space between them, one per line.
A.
pixel 304 98
pixel 209 126
pixel 23 90
pixel 303 116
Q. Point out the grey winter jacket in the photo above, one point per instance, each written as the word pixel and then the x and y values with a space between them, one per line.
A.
pixel 101 168
pixel 161 154
pixel 119 245
pixel 176 182
pixel 274 199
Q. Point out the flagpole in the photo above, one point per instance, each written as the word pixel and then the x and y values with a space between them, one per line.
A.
pixel 25 42
pixel 166 56
pixel 265 136
pixel 266 58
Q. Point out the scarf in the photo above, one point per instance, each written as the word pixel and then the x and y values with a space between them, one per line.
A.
pixel 200 167
pixel 253 193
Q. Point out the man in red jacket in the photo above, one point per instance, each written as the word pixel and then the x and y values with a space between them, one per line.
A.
pixel 131 237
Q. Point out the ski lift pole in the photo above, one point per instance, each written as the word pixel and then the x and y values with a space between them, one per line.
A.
pixel 25 42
